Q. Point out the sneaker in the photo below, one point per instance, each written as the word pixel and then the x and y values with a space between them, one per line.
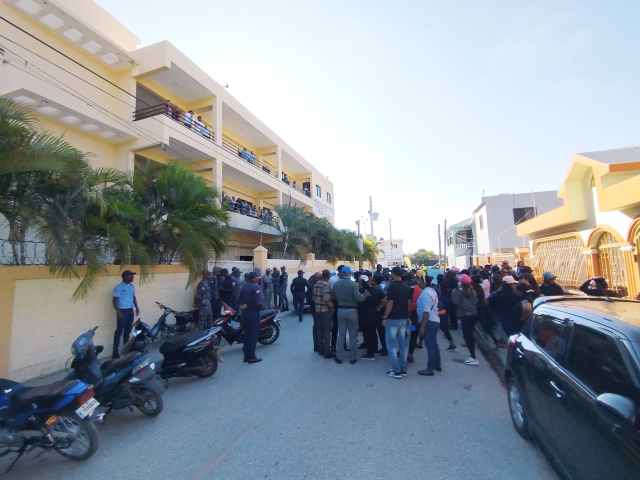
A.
pixel 426 373
pixel 391 372
pixel 403 373
pixel 395 375
pixel 451 347
pixel 353 362
pixel 368 357
pixel 471 361
pixel 337 360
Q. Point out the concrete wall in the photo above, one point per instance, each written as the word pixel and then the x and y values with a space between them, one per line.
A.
pixel 39 320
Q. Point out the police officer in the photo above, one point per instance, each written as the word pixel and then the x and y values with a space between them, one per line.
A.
pixel 251 300
pixel 203 302
pixel 215 293
pixel 124 303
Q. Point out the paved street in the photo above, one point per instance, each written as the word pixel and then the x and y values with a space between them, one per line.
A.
pixel 298 416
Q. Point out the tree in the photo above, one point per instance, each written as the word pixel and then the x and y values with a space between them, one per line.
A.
pixel 27 158
pixel 176 215
pixel 370 251
pixel 423 257
pixel 293 225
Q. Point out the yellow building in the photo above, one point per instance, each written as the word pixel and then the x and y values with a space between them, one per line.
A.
pixel 86 77
pixel 596 232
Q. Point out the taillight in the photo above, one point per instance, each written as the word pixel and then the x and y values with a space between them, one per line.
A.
pixel 87 395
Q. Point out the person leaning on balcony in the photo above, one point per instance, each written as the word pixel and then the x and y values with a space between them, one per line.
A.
pixel 188 119
pixel 124 303
pixel 549 286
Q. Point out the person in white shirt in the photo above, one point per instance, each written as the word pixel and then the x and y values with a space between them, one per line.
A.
pixel 427 309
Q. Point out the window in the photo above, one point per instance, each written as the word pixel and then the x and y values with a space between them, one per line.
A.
pixel 596 360
pixel 329 198
pixel 550 333
pixel 523 214
pixel 481 222
pixel 318 191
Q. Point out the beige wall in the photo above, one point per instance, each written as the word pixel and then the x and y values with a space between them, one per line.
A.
pixel 40 320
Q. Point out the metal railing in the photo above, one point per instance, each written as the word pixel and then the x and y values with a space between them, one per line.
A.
pixel 265 215
pixel 23 253
pixel 246 154
pixel 188 120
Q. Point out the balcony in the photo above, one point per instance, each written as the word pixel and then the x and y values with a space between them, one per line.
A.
pixel 238 150
pixel 244 215
pixel 187 119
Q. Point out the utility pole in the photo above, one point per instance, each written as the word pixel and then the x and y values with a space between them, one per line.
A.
pixel 358 226
pixel 439 246
pixel 444 237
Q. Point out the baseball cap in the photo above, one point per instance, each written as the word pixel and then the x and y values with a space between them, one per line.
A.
pixel 346 269
pixel 127 272
pixel 548 276
pixel 509 280
pixel 465 279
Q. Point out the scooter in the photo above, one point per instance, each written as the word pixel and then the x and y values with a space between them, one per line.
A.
pixel 183 322
pixel 185 355
pixel 125 382
pixel 57 416
pixel 231 326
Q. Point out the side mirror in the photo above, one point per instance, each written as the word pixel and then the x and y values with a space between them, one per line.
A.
pixel 622 407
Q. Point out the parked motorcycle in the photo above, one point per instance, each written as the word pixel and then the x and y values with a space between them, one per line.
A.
pixel 185 355
pixel 56 417
pixel 231 326
pixel 183 322
pixel 125 382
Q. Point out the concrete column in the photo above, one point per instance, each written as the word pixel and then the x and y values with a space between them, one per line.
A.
pixel 218 121
pixel 260 258
pixel 217 175
pixel 279 161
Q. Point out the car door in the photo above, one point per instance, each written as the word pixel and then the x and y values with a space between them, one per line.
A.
pixel 550 335
pixel 596 444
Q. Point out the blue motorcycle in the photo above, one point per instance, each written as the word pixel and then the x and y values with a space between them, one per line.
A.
pixel 49 417
pixel 126 382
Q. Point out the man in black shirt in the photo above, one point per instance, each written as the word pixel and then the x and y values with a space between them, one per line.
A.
pixel 299 288
pixel 251 301
pixel 226 287
pixel 549 286
pixel 396 320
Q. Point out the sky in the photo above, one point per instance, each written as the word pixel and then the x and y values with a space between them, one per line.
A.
pixel 424 105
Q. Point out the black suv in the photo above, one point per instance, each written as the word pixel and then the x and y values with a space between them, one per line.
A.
pixel 573 378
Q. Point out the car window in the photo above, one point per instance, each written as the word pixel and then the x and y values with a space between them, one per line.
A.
pixel 550 333
pixel 596 360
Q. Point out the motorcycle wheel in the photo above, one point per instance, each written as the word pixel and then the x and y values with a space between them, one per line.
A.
pixel 149 402
pixel 209 365
pixel 84 437
pixel 270 334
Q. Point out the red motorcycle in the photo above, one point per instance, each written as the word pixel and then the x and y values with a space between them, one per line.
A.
pixel 230 324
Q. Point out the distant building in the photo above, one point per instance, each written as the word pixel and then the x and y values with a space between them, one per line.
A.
pixel 390 253
pixel 489 235
pixel 496 218
pixel 459 244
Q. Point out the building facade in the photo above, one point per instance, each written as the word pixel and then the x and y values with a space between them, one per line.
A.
pixel 86 77
pixel 596 230
pixel 460 244
pixel 390 253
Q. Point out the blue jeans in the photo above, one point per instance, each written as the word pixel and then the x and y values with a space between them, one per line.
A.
pixel 431 344
pixel 397 343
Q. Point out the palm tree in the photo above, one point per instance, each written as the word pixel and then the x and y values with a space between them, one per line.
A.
pixel 27 156
pixel 180 216
pixel 293 227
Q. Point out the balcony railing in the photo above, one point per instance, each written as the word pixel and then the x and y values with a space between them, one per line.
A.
pixel 265 215
pixel 187 119
pixel 238 150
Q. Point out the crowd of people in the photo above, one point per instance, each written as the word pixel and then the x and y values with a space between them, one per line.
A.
pixel 396 310
pixel 245 207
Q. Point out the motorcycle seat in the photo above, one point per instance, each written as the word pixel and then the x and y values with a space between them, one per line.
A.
pixel 117 363
pixel 41 394
pixel 268 312
pixel 178 342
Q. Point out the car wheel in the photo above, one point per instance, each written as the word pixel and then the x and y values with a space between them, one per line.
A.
pixel 518 409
